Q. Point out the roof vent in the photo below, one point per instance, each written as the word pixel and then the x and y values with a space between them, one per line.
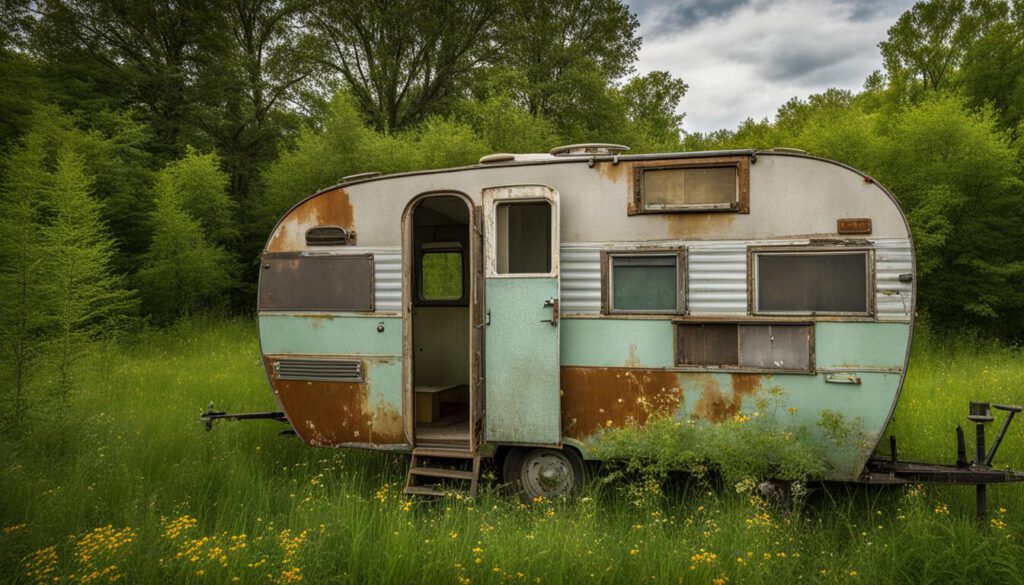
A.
pixel 588 148
pixel 497 158
pixel 360 177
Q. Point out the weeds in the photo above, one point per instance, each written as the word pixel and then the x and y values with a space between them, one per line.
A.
pixel 132 462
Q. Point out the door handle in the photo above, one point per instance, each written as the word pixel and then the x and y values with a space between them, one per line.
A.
pixel 553 303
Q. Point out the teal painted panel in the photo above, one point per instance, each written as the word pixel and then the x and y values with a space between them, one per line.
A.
pixel 864 345
pixel 307 334
pixel 522 386
pixel 617 343
pixel 384 379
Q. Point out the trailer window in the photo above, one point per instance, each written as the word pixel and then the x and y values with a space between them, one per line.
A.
pixel 524 237
pixel 441 276
pixel 827 282
pixel 699 185
pixel 644 282
pixel 754 346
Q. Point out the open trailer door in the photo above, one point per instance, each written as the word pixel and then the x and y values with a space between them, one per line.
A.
pixel 522 300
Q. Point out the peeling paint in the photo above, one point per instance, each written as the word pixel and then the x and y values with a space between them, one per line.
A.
pixel 329 208
pixel 595 398
pixel 332 413
pixel 714 405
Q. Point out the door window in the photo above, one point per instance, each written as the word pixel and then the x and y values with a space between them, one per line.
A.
pixel 523 237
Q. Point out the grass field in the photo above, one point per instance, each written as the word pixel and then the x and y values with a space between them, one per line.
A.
pixel 129 488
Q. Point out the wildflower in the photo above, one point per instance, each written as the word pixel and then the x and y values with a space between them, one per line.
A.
pixel 720 581
pixel 634 551
pixel 477 550
pixel 792 410
pixel 454 535
pixel 854 573
pixel 942 509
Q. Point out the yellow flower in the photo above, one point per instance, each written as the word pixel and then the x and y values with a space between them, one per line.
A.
pixel 792 410
pixel 634 551
pixel 854 573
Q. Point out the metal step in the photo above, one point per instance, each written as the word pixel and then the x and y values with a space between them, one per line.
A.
pixel 441 472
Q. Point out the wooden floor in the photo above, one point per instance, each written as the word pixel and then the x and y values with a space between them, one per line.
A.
pixel 449 428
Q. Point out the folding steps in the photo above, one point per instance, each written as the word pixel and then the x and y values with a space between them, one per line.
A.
pixel 430 467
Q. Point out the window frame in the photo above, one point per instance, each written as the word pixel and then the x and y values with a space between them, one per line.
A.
pixel 607 279
pixel 740 323
pixel 638 206
pixel 814 249
pixel 423 301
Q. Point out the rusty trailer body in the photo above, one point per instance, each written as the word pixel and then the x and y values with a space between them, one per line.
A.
pixel 524 304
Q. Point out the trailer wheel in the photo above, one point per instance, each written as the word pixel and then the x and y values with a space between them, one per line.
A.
pixel 547 473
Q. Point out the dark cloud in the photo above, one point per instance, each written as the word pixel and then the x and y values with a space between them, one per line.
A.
pixel 665 18
pixel 796 62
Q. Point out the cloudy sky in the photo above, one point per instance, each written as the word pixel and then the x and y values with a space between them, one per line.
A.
pixel 745 58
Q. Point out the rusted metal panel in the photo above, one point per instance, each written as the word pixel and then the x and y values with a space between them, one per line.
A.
pixel 598 398
pixel 330 208
pixel 297 282
pixel 327 413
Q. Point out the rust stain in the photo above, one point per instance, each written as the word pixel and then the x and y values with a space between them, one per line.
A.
pixel 713 405
pixel 331 413
pixel 613 172
pixel 596 398
pixel 683 226
pixel 634 360
pixel 329 208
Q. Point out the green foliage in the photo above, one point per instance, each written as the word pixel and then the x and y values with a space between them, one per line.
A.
pixel 766 444
pixel 183 273
pixel 123 462
pixel 198 184
pixel 87 301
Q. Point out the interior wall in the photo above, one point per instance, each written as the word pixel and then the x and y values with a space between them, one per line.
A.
pixel 440 339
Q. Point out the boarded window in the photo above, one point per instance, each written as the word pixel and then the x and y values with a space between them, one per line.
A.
pixel 441 276
pixel 524 237
pixel 708 344
pixel 813 282
pixel 644 283
pixel 720 184
pixel 757 346
pixel 293 282
pixel 775 347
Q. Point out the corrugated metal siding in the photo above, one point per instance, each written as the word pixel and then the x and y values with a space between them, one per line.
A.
pixel 581 279
pixel 893 299
pixel 717 277
pixel 387 280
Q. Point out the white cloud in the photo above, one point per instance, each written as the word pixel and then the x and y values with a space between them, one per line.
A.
pixel 745 59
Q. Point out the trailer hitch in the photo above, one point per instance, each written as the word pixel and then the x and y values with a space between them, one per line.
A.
pixel 211 415
pixel 978 471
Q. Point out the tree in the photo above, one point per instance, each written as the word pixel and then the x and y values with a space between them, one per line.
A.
pixel 23 300
pixel 404 60
pixel 926 46
pixel 182 273
pixel 993 69
pixel 652 102
pixel 559 59
pixel 89 301
pixel 196 182
pixel 956 174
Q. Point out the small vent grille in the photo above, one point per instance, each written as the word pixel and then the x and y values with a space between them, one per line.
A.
pixel 319 370
pixel 327 235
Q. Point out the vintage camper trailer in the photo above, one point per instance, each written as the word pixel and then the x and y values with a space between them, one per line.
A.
pixel 515 308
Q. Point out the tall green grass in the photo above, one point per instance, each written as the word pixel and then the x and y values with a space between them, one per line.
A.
pixel 128 487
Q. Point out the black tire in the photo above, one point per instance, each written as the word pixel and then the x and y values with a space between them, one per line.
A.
pixel 547 473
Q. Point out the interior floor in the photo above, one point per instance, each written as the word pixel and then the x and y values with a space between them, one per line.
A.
pixel 440 323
